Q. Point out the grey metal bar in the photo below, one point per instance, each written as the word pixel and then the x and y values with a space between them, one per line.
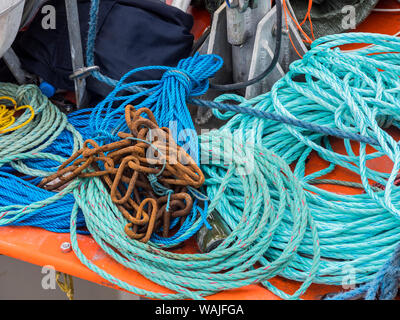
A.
pixel 75 41
pixel 14 65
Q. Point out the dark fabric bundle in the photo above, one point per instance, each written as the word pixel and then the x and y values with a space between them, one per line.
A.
pixel 130 34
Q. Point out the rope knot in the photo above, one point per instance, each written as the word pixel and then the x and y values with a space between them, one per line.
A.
pixel 159 189
pixel 193 73
pixel 182 77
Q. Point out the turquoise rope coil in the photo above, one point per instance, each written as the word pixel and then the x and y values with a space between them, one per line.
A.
pixel 356 92
pixel 229 266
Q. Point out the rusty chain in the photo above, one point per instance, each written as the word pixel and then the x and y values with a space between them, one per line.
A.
pixel 147 159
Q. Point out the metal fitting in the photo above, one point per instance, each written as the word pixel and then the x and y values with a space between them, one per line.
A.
pixel 66 247
pixel 83 73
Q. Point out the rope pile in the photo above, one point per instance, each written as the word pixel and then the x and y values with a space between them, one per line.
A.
pixel 228 266
pixel 32 152
pixel 352 91
pixel 146 174
pixel 282 223
pixel 166 98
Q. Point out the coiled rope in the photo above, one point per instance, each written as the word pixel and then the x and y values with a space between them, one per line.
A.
pixel 7 116
pixel 384 286
pixel 352 91
pixel 30 153
pixel 231 264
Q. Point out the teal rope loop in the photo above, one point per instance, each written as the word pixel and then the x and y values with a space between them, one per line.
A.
pixel 355 92
pixel 158 188
pixel 229 266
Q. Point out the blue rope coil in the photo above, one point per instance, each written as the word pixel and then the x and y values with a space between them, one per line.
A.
pixel 166 98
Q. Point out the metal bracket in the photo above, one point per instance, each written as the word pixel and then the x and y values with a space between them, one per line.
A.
pixel 216 43
pixel 83 73
pixel 264 46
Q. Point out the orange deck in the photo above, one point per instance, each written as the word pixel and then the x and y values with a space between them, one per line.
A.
pixel 42 247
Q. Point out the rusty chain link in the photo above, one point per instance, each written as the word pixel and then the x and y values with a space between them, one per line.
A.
pixel 146 173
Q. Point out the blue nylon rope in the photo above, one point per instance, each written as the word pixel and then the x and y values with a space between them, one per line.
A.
pixel 166 98
pixel 346 94
pixel 29 154
pixel 136 88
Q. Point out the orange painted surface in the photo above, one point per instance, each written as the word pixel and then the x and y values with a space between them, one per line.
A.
pixel 42 247
pixel 202 20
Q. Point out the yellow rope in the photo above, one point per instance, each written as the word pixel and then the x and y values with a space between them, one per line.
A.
pixel 7 118
pixel 67 285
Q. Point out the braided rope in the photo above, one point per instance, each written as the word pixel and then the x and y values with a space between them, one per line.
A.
pixel 384 286
pixel 191 64
pixel 230 265
pixel 35 150
pixel 355 92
